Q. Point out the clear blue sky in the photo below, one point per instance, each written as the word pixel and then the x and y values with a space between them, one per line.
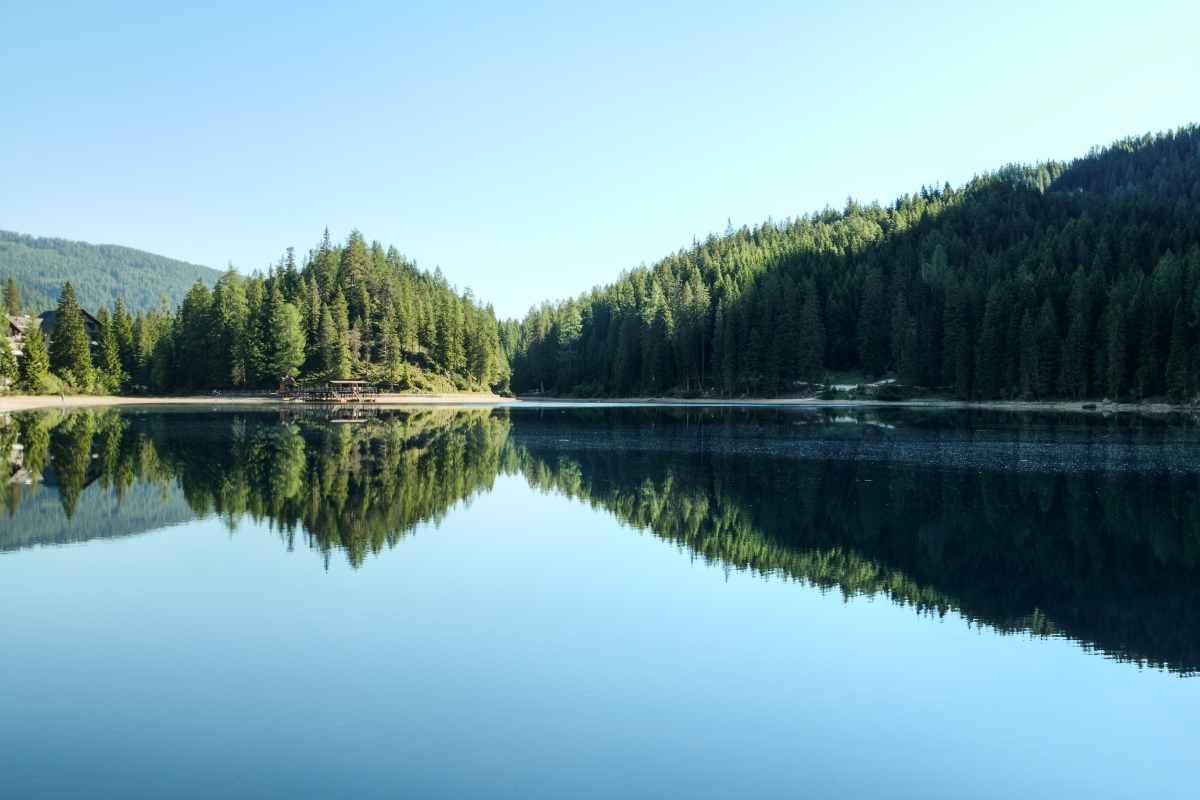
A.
pixel 535 150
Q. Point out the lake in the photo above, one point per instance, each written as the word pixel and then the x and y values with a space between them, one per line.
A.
pixel 599 601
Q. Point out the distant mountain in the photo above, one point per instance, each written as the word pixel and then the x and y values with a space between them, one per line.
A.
pixel 99 272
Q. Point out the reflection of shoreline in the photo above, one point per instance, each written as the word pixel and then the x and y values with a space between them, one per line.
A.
pixel 224 402
pixel 483 399
pixel 925 508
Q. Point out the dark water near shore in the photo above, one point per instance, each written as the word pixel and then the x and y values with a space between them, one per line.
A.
pixel 599 602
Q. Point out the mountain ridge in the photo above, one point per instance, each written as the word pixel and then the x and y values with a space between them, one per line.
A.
pixel 100 273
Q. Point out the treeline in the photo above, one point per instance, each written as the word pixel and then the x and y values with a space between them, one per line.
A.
pixel 352 310
pixel 1077 280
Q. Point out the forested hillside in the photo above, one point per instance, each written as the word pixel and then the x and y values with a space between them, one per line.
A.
pixel 1061 280
pixel 348 311
pixel 100 273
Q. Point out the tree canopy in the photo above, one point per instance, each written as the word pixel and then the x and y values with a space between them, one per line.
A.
pixel 346 310
pixel 1060 280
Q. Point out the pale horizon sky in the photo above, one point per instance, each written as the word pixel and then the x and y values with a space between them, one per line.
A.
pixel 532 150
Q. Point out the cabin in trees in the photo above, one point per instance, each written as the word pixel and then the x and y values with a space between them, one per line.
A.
pixel 18 326
pixel 90 324
pixel 16 329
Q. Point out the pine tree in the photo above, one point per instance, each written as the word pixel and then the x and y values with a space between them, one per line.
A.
pixel 989 352
pixel 111 374
pixel 34 364
pixel 954 333
pixel 1117 331
pixel 811 349
pixel 313 308
pixel 12 298
pixel 872 328
pixel 263 372
pixel 1030 357
pixel 230 319
pixel 352 278
pixel 570 328
pixel 718 343
pixel 335 354
pixel 123 328
pixel 1049 348
pixel 70 349
pixel 198 341
pixel 1077 349
pixel 285 345
pixel 325 267
pixel 9 373
pixel 1178 380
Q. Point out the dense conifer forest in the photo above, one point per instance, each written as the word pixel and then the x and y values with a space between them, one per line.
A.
pixel 1061 280
pixel 1056 281
pixel 352 310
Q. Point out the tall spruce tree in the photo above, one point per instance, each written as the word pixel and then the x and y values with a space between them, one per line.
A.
pixel 12 297
pixel 33 366
pixel 9 374
pixel 70 348
pixel 123 328
pixel 111 374
pixel 1178 378
pixel 285 345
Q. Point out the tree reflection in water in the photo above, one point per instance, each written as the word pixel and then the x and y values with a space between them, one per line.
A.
pixel 1055 526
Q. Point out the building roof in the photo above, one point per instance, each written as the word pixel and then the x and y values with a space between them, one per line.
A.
pixel 48 318
pixel 18 324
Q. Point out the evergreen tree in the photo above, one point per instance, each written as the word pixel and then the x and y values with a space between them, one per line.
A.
pixel 12 298
pixel 1116 352
pixel 1049 346
pixel 1031 370
pixel 335 355
pixel 198 342
pixel 33 366
pixel 1178 380
pixel 285 345
pixel 9 373
pixel 989 352
pixel 810 360
pixel 70 348
pixel 123 329
pixel 353 278
pixel 111 373
pixel 872 327
pixel 230 314
pixel 1077 349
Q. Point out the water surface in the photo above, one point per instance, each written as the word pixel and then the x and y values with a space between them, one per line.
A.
pixel 599 602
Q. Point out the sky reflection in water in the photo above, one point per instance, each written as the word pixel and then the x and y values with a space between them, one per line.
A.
pixel 599 602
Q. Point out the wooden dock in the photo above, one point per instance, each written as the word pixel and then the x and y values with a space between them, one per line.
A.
pixel 341 392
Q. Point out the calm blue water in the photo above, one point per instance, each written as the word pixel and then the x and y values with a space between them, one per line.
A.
pixel 599 603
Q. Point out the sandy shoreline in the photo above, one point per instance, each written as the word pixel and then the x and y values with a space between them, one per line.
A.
pixel 33 402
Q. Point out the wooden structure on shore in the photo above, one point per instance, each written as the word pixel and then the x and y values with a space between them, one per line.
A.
pixel 342 392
